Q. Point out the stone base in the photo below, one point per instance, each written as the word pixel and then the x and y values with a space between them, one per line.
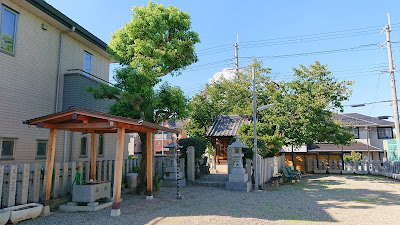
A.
pixel 238 186
pixel 172 183
pixel 347 172
pixel 115 212
pixel 319 171
pixel 45 210
pixel 73 207
pixel 335 171
pixel 361 172
pixel 376 173
pixel 238 177
pixel 149 197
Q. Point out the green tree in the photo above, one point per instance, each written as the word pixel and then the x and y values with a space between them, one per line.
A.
pixel 303 108
pixel 157 41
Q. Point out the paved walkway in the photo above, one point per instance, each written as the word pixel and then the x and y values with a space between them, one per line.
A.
pixel 324 199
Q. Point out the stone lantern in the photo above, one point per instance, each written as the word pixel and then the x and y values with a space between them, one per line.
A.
pixel 173 171
pixel 238 178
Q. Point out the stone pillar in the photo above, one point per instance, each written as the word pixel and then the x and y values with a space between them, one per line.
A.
pixel 330 165
pixel 238 178
pixel 379 166
pixel 335 165
pixel 356 165
pixel 190 163
pixel 341 165
pixel 315 165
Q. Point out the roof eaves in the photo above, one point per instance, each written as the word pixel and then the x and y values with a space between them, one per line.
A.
pixel 66 21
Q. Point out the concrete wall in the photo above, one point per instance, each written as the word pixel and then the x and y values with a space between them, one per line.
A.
pixel 28 81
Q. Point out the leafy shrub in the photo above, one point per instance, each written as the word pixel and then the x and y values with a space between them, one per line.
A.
pixel 353 156
pixel 200 145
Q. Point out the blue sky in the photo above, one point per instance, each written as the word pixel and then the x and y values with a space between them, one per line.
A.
pixel 274 28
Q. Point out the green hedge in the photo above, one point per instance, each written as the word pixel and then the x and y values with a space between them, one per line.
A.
pixel 200 145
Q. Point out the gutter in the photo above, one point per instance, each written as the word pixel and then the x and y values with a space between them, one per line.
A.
pixel 58 86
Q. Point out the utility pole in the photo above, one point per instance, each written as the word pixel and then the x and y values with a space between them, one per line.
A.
pixel 392 82
pixel 255 130
pixel 236 54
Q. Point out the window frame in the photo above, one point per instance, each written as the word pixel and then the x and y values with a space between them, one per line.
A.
pixel 13 151
pixel 357 134
pixel 378 133
pixel 83 135
pixel 84 62
pixel 98 146
pixel 37 146
pixel 2 8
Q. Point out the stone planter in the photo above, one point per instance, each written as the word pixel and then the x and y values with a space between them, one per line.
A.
pixel 24 212
pixel 91 192
pixel 132 180
pixel 4 216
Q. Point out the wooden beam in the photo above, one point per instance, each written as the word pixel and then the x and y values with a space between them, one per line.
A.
pixel 119 153
pixel 48 174
pixel 93 155
pixel 136 128
pixel 98 125
pixel 149 153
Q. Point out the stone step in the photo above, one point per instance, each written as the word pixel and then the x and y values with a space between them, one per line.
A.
pixel 207 184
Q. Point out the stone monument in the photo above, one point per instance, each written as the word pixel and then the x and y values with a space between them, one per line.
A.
pixel 238 178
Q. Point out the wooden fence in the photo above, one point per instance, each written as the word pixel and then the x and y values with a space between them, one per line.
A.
pixel 23 183
pixel 268 167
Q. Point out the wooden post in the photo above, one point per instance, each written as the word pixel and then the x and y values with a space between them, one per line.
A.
pixel 48 174
pixel 93 155
pixel 115 211
pixel 149 153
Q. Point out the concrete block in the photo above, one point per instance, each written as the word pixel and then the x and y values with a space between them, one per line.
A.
pixel 320 171
pixel 149 197
pixel 238 186
pixel 72 204
pixel 45 210
pixel 238 170
pixel 115 212
pixel 335 171
pixel 87 208
pixel 24 212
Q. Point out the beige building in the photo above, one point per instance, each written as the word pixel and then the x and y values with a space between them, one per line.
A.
pixel 46 62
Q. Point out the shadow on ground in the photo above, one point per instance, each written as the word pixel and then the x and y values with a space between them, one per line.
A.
pixel 306 201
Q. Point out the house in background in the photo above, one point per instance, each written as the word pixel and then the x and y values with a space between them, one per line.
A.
pixel 223 129
pixel 46 62
pixel 370 132
pixel 160 138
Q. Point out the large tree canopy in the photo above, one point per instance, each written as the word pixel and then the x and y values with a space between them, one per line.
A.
pixel 302 113
pixel 157 41
pixel 303 108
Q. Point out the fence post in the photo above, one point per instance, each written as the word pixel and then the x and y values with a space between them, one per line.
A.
pixel 10 189
pixel 64 186
pixel 22 188
pixel 98 170
pixel 1 180
pixel 109 163
pixel 35 189
pixel 73 172
pixel 56 179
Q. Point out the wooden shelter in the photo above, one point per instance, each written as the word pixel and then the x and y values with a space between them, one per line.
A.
pixel 85 120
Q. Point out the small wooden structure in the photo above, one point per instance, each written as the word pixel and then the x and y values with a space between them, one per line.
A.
pixel 85 120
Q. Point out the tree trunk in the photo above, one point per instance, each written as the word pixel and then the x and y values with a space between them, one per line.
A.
pixel 143 163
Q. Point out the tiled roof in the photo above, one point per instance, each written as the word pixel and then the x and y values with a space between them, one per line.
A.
pixel 359 147
pixel 356 119
pixel 226 125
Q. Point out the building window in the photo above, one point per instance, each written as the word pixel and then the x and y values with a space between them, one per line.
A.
pixel 87 64
pixel 356 131
pixel 8 29
pixel 7 148
pixel 385 132
pixel 83 152
pixel 100 150
pixel 41 149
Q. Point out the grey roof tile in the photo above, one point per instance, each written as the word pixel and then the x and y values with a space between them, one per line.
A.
pixel 360 147
pixel 226 125
pixel 356 119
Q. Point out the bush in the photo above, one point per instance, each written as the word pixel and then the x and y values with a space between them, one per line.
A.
pixel 353 156
pixel 200 145
pixel 267 146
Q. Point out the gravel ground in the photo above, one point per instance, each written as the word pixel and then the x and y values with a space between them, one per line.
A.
pixel 316 199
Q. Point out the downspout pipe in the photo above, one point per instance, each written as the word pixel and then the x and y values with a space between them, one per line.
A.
pixel 58 85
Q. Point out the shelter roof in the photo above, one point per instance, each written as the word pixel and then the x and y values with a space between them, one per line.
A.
pixel 86 120
pixel 226 125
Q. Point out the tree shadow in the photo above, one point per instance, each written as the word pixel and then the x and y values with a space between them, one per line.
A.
pixel 307 201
